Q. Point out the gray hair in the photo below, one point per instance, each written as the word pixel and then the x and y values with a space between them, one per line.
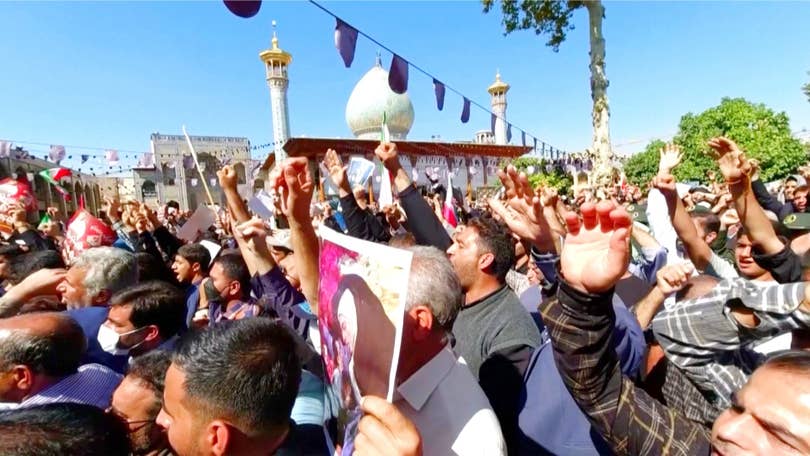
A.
pixel 108 268
pixel 433 283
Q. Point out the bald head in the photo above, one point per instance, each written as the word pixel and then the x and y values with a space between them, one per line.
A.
pixel 49 343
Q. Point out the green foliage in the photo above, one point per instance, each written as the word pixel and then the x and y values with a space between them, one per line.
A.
pixel 758 130
pixel 552 17
pixel 642 167
pixel 556 178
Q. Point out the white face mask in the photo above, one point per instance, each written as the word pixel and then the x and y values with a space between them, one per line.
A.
pixel 108 339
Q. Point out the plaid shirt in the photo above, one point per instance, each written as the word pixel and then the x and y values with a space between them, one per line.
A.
pixel 581 330
pixel 703 339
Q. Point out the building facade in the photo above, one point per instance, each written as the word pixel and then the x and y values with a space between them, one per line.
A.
pixel 174 176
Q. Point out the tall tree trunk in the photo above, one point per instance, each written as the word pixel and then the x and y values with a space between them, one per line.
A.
pixel 603 171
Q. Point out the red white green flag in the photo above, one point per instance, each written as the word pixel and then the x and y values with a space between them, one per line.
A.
pixel 54 175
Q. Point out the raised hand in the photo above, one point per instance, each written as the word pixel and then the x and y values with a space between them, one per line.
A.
pixel 253 233
pixel 665 183
pixel 523 212
pixel 296 190
pixel 673 277
pixel 337 171
pixel 731 160
pixel 227 177
pixel 596 250
pixel 387 153
pixel 113 208
pixel 670 157
pixel 385 431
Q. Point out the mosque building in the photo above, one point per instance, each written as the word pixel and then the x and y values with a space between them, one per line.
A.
pixel 472 163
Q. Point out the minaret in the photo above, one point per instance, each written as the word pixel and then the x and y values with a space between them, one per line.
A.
pixel 276 62
pixel 497 91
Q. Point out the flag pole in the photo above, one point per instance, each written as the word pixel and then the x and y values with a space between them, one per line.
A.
pixel 197 164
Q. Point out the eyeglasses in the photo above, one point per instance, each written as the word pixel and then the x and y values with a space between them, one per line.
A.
pixel 123 419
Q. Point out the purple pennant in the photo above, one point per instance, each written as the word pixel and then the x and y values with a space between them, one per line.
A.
pixel 244 8
pixel 111 155
pixel 85 158
pixel 398 75
pixel 345 41
pixel 535 144
pixel 492 119
pixel 188 162
pixel 509 133
pixel 438 87
pixel 523 138
pixel 465 111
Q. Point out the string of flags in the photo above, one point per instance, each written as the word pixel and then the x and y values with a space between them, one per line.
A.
pixel 346 41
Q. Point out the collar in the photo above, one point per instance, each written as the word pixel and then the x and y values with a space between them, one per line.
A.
pixel 479 301
pixel 418 387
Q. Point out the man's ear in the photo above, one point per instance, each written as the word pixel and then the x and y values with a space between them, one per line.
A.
pixel 23 377
pixel 218 437
pixel 195 268
pixel 485 261
pixel 422 319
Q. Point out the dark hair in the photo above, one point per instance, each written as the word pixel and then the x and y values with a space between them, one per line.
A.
pixel 154 303
pixel 801 189
pixel 150 371
pixel 55 354
pixel 173 204
pixel 709 220
pixel 795 361
pixel 21 266
pixel 62 429
pixel 494 237
pixel 246 370
pixel 196 253
pixel 235 268
pixel 152 268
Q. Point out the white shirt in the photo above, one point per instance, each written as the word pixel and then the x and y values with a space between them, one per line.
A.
pixel 450 410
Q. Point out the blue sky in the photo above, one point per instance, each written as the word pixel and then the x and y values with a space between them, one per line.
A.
pixel 107 74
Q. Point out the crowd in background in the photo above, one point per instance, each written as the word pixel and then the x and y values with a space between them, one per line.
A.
pixel 615 320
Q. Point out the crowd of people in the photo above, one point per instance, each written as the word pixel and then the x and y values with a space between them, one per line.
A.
pixel 617 320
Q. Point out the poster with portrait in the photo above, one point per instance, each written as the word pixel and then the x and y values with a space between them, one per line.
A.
pixel 362 294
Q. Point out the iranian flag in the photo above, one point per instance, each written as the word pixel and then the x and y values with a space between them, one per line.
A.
pixel 54 175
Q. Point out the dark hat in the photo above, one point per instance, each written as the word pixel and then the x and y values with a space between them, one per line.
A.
pixel 797 221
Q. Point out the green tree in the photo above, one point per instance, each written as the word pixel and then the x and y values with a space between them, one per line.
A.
pixel 642 167
pixel 535 169
pixel 762 133
pixel 553 18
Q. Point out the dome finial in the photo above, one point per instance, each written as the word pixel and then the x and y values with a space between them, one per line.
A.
pixel 275 38
pixel 378 60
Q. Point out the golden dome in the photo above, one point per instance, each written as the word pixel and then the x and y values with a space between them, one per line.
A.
pixel 275 53
pixel 498 86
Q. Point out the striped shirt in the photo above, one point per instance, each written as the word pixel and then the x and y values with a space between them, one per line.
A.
pixel 703 338
pixel 92 384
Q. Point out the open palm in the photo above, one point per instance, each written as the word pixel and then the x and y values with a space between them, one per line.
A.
pixel 730 159
pixel 523 212
pixel 596 249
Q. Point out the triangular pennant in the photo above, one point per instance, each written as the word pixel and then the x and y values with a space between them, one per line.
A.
pixel 508 132
pixel 465 111
pixel 57 153
pixel 345 41
pixel 398 75
pixel 85 157
pixel 492 120
pixel 438 88
pixel 523 138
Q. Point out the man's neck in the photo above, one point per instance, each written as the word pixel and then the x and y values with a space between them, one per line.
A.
pixel 197 279
pixel 484 286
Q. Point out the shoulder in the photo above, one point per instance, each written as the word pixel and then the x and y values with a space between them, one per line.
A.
pixel 481 435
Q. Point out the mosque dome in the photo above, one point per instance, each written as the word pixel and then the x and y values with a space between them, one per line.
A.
pixel 371 98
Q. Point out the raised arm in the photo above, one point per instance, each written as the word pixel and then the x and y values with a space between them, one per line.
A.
pixel 736 168
pixel 296 193
pixel 423 223
pixel 228 181
pixel 581 321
